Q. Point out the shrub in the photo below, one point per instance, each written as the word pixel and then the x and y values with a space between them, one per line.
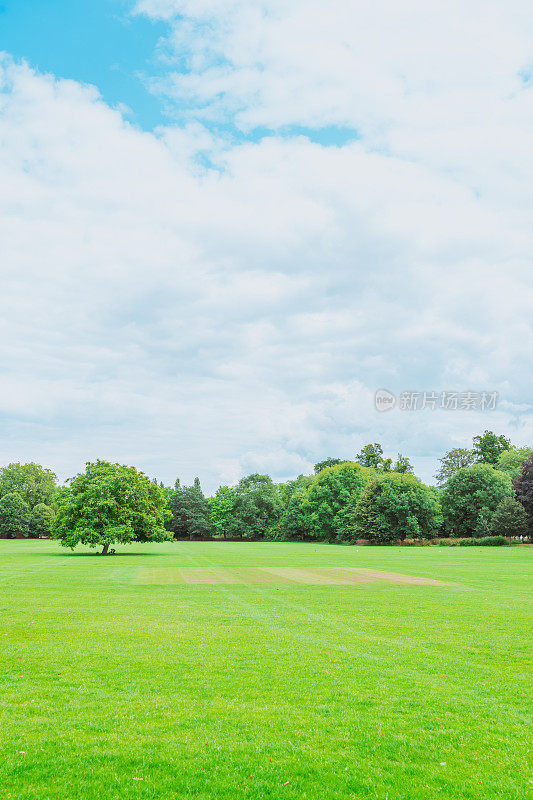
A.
pixel 493 541
pixel 470 499
pixel 485 541
pixel 393 507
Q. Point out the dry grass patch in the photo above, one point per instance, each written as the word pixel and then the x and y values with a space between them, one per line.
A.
pixel 309 576
pixel 363 575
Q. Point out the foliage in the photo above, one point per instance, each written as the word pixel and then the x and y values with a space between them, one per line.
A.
pixel 328 462
pixel 222 510
pixel 167 491
pixel 328 497
pixel 190 512
pixel 488 448
pixel 485 541
pixel 523 485
pixel 14 516
pixel 110 503
pixel 258 508
pixel 371 456
pixel 35 484
pixel 452 462
pixel 509 519
pixel 512 461
pixel 41 519
pixel 288 489
pixel 402 465
pixel 295 524
pixel 470 499
pixel 393 507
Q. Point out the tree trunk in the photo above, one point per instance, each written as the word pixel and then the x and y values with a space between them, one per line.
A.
pixel 105 550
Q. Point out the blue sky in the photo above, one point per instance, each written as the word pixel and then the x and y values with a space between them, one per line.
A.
pixel 99 42
pixel 295 209
pixel 106 44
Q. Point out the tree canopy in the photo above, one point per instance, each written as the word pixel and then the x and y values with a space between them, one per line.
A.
pixel 509 519
pixel 329 495
pixel 392 507
pixel 371 456
pixel 512 461
pixel 15 515
pixel 452 462
pixel 190 512
pixel 523 485
pixel 471 497
pixel 488 448
pixel 108 504
pixel 258 507
pixel 35 484
pixel 41 519
pixel 222 511
pixel 328 462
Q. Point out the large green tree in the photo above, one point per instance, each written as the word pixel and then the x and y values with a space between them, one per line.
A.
pixel 392 507
pixel 35 484
pixel 15 516
pixel 488 448
pixel 452 462
pixel 297 521
pixel 471 497
pixel 190 512
pixel 108 504
pixel 328 497
pixel 222 511
pixel 258 508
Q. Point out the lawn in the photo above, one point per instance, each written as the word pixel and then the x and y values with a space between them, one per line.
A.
pixel 264 670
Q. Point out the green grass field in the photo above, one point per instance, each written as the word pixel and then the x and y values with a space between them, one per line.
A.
pixel 264 670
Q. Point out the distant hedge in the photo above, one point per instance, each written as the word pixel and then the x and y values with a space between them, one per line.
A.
pixel 485 541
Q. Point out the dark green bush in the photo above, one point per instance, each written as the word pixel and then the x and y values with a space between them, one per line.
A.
pixel 494 541
pixel 486 541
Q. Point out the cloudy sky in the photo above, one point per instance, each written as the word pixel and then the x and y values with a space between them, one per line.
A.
pixel 226 223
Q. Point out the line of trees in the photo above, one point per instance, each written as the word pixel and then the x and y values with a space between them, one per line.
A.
pixel 485 491
pixel 481 492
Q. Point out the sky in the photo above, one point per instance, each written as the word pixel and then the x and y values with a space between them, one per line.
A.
pixel 225 224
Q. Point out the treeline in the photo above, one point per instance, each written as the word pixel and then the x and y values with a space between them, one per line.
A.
pixel 483 492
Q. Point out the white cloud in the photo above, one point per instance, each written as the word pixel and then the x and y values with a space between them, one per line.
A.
pixel 210 321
